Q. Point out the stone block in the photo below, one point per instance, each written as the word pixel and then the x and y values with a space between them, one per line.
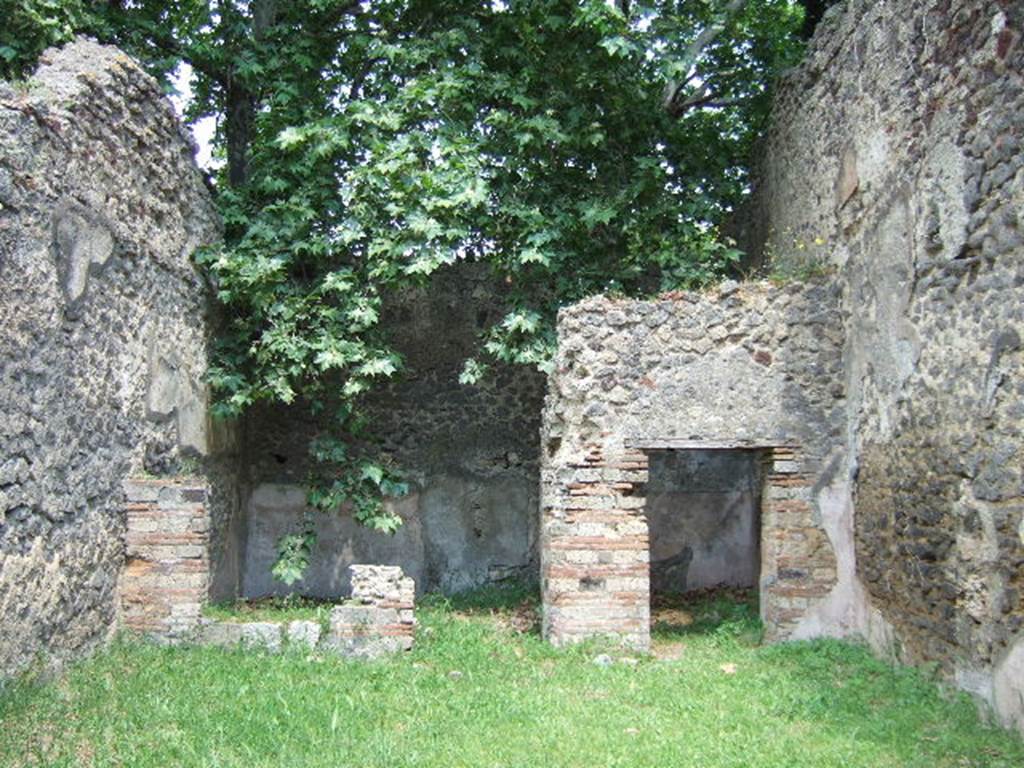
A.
pixel 141 490
pixel 304 633
pixel 352 617
pixel 368 647
pixel 262 634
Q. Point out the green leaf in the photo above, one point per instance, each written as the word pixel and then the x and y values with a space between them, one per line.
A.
pixel 374 473
pixel 533 256
pixel 290 137
pixel 380 366
pixel 472 372
pixel 294 552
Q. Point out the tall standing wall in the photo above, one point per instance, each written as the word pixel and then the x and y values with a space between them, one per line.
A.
pixel 895 157
pixel 102 336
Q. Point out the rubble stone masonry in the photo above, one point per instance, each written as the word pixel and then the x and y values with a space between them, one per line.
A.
pixel 894 159
pixel 893 169
pixel 378 618
pixel 469 453
pixel 756 368
pixel 103 335
pixel 876 380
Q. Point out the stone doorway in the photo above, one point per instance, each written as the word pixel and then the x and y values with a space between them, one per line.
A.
pixel 595 550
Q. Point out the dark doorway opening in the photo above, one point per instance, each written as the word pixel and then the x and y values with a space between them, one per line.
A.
pixel 703 510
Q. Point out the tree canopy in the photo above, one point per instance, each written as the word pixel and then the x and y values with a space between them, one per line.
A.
pixel 574 146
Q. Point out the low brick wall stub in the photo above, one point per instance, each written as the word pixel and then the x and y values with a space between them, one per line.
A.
pixel 355 630
pixel 379 618
pixel 166 582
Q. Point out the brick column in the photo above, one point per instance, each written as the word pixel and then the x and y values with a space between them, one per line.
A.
pixel 798 565
pixel 166 576
pixel 594 549
pixel 379 617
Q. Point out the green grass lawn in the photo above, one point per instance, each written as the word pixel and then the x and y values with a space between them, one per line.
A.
pixel 483 690
pixel 272 609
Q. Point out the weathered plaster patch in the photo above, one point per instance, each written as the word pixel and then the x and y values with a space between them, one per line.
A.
pixel 83 244
pixel 848 180
pixel 173 392
pixel 879 633
pixel 843 612
pixel 946 218
pixel 977 682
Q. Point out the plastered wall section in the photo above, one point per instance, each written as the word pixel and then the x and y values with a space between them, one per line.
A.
pixel 469 453
pixel 102 335
pixel 895 158
pixel 756 366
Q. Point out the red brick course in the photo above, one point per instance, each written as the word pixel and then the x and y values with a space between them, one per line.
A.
pixel 166 577
pixel 592 511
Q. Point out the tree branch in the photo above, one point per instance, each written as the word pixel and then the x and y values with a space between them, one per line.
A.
pixel 709 100
pixel 674 89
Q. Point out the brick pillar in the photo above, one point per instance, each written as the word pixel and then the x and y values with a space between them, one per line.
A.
pixel 798 565
pixel 594 549
pixel 379 617
pixel 166 576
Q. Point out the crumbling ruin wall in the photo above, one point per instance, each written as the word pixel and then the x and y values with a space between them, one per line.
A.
pixel 755 367
pixel 895 158
pixel 470 454
pixel 102 335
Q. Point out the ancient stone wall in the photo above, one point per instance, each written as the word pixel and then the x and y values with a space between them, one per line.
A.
pixel 470 454
pixel 895 159
pixel 753 368
pixel 167 578
pixel 102 335
pixel 379 617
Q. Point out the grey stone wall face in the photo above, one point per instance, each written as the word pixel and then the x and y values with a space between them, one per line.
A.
pixel 102 347
pixel 754 368
pixel 895 157
pixel 470 453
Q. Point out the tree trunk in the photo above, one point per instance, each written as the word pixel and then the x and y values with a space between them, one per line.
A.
pixel 241 102
pixel 239 110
